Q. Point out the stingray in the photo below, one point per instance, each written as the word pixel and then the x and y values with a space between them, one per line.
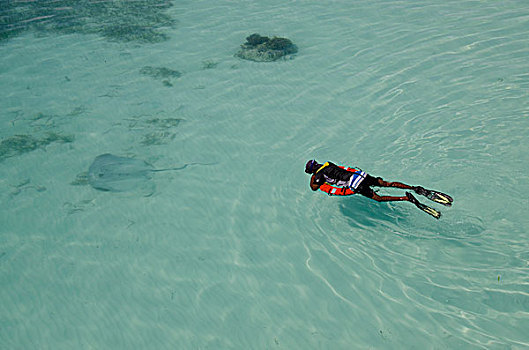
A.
pixel 113 173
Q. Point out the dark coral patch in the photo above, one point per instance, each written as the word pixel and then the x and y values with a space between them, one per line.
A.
pixel 142 21
pixel 264 49
pixel 20 144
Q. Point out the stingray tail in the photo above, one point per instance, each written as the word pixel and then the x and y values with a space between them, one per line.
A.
pixel 183 166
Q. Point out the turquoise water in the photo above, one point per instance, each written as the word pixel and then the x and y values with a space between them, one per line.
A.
pixel 240 253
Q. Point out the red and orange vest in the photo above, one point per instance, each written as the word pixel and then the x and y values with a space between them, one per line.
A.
pixel 357 176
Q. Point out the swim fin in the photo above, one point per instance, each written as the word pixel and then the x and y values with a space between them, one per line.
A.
pixel 431 211
pixel 435 196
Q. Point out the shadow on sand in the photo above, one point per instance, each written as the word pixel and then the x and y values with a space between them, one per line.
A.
pixel 363 212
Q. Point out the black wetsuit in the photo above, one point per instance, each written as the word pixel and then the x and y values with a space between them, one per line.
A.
pixel 339 177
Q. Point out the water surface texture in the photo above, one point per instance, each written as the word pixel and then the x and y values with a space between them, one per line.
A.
pixel 242 254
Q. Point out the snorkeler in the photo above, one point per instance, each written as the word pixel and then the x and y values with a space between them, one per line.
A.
pixel 336 180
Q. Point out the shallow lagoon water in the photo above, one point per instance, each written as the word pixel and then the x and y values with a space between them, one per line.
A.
pixel 242 254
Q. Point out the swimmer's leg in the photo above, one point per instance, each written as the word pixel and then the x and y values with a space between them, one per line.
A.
pixel 388 198
pixel 381 183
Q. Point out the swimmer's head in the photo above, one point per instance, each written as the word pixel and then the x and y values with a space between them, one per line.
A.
pixel 311 166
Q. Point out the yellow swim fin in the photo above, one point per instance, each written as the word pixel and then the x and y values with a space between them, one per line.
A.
pixel 430 211
pixel 435 196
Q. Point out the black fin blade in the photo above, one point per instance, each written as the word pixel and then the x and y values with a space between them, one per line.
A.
pixel 435 196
